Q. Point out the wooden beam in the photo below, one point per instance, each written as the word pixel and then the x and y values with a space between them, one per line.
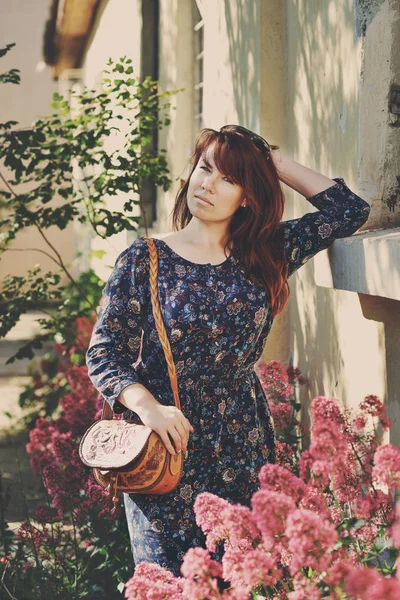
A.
pixel 73 29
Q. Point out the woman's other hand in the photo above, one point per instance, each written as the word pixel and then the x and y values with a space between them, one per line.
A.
pixel 168 421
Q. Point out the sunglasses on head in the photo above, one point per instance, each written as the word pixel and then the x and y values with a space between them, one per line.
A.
pixel 258 141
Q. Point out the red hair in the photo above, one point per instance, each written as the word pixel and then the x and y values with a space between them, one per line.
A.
pixel 253 230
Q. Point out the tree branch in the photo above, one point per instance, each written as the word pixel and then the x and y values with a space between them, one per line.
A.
pixel 60 260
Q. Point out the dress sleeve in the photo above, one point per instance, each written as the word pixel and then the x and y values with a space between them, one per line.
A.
pixel 341 213
pixel 116 339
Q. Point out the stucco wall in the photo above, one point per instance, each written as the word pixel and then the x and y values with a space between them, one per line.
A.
pixel 231 77
pixel 378 31
pixel 244 82
pixel 345 353
pixel 175 73
pixel 22 22
pixel 299 72
pixel 117 33
pixel 232 63
pixel 274 127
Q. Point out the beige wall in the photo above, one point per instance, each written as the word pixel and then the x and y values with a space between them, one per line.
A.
pixel 300 73
pixel 175 72
pixel 379 148
pixel 338 124
pixel 23 22
pixel 274 127
pixel 309 76
pixel 231 77
pixel 117 33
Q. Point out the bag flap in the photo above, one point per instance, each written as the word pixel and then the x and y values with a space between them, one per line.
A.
pixel 111 444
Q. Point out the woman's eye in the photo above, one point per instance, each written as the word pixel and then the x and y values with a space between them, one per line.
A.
pixel 207 169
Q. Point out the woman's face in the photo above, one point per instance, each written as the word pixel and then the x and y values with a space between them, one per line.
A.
pixel 207 182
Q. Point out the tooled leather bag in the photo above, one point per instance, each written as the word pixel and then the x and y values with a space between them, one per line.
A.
pixel 131 457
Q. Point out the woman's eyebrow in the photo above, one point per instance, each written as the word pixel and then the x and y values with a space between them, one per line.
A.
pixel 205 161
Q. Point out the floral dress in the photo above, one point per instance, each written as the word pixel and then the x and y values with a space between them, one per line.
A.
pixel 217 321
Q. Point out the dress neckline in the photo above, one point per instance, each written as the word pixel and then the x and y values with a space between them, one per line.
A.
pixel 225 262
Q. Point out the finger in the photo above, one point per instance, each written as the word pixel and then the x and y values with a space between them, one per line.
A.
pixel 184 432
pixel 189 425
pixel 188 431
pixel 177 439
pixel 186 427
pixel 167 443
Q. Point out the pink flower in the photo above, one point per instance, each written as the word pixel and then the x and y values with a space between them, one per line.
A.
pixel 33 535
pixel 274 370
pixel 294 374
pixel 315 501
pixel 327 442
pixel 282 414
pixel 371 405
pixel 304 589
pixel 309 539
pixel 209 510
pixel 241 528
pixel 83 329
pixel 368 533
pixel 366 506
pixel 270 512
pixel 44 514
pixel 275 381
pixel 285 455
pixel 326 410
pixel 200 573
pixel 338 572
pixel 387 466
pixel 369 583
pixel 277 478
pixel 246 571
pixel 360 423
pixel 152 582
pixel 198 563
pixel 305 465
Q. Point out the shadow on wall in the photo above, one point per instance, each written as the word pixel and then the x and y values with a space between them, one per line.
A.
pixel 322 122
pixel 365 11
pixel 243 43
pixel 387 311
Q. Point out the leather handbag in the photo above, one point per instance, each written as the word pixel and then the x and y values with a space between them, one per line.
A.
pixel 127 456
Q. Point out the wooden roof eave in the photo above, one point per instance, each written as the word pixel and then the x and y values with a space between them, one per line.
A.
pixel 75 20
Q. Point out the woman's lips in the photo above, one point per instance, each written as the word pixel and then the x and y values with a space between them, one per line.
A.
pixel 203 200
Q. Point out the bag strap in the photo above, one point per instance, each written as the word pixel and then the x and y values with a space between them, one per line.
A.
pixel 107 412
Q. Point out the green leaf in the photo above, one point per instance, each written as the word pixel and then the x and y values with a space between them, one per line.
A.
pixel 97 254
pixel 7 48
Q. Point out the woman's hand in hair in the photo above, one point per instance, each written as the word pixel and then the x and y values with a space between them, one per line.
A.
pixel 276 158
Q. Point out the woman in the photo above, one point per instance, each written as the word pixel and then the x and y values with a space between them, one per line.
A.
pixel 218 309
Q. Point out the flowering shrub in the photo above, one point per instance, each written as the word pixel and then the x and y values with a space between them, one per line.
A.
pixel 279 383
pixel 73 547
pixel 323 524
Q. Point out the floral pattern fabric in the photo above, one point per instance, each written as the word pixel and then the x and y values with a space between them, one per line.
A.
pixel 217 321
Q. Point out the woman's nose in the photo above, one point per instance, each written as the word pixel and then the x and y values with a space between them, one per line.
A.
pixel 208 182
